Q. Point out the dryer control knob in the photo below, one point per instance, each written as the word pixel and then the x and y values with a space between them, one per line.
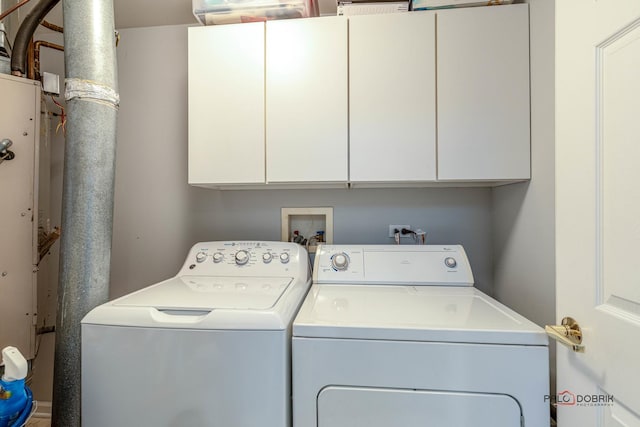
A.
pixel 284 257
pixel 340 261
pixel 218 257
pixel 267 257
pixel 450 262
pixel 242 257
pixel 201 256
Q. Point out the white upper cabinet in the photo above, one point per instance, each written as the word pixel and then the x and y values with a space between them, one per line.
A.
pixel 483 93
pixel 226 104
pixel 392 97
pixel 306 100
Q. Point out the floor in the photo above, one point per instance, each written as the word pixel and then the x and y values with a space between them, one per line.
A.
pixel 41 416
pixel 46 422
pixel 39 422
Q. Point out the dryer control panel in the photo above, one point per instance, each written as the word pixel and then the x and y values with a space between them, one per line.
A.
pixel 393 264
pixel 246 258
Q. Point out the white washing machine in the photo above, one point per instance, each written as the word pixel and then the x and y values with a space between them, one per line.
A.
pixel 209 347
pixel 394 336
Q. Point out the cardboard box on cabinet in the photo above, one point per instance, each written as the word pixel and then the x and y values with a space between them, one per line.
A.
pixel 216 12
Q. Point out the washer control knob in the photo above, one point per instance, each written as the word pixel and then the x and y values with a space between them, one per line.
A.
pixel 242 257
pixel 284 257
pixel 450 262
pixel 267 257
pixel 340 261
pixel 201 256
pixel 218 257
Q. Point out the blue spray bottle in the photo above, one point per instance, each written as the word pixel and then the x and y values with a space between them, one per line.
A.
pixel 16 399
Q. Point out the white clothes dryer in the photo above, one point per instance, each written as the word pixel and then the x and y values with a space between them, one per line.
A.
pixel 398 336
pixel 209 347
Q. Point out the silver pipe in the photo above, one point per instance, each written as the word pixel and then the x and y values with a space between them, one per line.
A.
pixel 89 174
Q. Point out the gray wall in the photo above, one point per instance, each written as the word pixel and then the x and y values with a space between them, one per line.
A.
pixel 524 214
pixel 158 216
pixel 361 216
pixel 154 205
pixel 50 213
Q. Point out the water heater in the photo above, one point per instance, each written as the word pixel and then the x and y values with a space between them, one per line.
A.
pixel 19 129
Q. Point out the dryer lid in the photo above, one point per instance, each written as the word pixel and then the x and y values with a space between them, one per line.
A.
pixel 209 293
pixel 412 313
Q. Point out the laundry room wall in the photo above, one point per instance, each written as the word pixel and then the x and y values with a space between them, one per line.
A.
pixel 154 205
pixel 158 216
pixel 524 214
pixel 51 166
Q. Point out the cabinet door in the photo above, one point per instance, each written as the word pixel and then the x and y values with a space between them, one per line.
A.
pixel 392 98
pixel 226 104
pixel 307 100
pixel 483 93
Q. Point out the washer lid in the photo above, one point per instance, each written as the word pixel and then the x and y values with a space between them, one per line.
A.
pixel 207 303
pixel 412 313
pixel 209 293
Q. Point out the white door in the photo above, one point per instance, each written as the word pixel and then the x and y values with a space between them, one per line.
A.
pixel 483 93
pixel 306 100
pixel 392 97
pixel 598 208
pixel 226 104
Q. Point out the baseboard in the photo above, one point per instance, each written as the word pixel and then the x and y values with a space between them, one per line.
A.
pixel 43 410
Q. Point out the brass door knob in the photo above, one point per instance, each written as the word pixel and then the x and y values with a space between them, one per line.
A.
pixel 568 333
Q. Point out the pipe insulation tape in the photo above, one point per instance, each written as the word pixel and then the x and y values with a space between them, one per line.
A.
pixel 88 90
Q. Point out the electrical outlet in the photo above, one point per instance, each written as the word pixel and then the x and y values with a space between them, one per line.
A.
pixel 393 227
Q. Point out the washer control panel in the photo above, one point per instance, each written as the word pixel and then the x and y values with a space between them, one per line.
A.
pixel 237 258
pixel 393 264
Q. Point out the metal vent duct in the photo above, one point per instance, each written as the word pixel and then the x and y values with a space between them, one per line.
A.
pixel 89 175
